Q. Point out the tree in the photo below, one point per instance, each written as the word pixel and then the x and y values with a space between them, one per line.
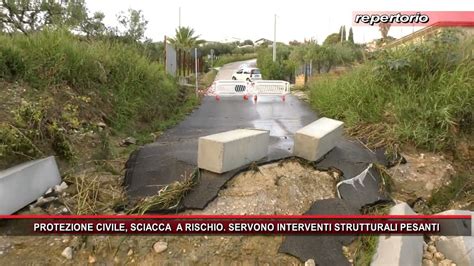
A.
pixel 247 42
pixel 154 50
pixel 332 39
pixel 282 69
pixel 219 48
pixel 294 43
pixel 94 26
pixel 134 24
pixel 343 34
pixel 184 40
pixel 297 55
pixel 32 15
pixel 384 28
pixel 350 38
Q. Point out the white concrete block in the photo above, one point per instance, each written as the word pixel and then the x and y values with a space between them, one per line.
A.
pixel 459 249
pixel 316 139
pixel 460 212
pixel 399 249
pixel 402 209
pixel 229 150
pixel 24 183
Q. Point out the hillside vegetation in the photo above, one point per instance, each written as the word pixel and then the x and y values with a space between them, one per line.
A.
pixel 420 94
pixel 58 89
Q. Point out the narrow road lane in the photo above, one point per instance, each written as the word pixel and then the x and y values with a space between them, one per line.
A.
pixel 226 71
pixel 174 155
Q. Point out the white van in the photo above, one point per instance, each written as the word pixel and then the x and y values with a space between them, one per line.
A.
pixel 247 74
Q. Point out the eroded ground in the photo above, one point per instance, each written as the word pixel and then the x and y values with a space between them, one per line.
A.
pixel 281 188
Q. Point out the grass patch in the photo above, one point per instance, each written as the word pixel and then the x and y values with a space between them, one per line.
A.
pixel 58 96
pixel 36 128
pixel 105 150
pixel 365 250
pixel 75 99
pixel 375 136
pixel 168 197
pixel 387 184
pixel 121 82
pixel 254 167
pixel 420 94
pixel 94 193
pixel 366 245
pixel 208 78
pixel 179 115
pixel 461 189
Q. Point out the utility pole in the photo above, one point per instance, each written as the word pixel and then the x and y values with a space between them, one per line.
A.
pixel 179 22
pixel 274 39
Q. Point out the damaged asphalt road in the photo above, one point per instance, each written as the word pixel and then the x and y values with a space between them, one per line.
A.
pixel 326 250
pixel 173 157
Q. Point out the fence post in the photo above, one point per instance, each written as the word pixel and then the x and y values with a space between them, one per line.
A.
pixel 196 69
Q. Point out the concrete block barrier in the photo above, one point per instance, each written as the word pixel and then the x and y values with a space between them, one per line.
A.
pixel 24 183
pixel 316 139
pixel 399 249
pixel 459 249
pixel 229 150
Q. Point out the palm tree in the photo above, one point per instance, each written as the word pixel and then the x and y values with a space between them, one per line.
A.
pixel 384 28
pixel 185 40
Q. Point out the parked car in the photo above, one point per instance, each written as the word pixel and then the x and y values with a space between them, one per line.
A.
pixel 248 74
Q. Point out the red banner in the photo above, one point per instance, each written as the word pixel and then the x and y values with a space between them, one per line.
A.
pixel 414 18
pixel 232 224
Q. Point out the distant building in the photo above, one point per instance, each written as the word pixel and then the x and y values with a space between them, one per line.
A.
pixel 246 46
pixel 371 46
pixel 231 40
pixel 262 41
pixel 424 34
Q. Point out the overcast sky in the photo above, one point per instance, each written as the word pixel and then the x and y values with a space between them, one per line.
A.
pixel 253 19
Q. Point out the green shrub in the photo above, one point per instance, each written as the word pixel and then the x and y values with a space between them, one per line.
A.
pixel 67 84
pixel 124 82
pixel 11 63
pixel 423 91
pixel 281 69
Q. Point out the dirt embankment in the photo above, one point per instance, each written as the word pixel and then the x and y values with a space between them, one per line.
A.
pixel 281 188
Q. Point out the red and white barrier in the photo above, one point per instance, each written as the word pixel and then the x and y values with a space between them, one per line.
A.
pixel 249 90
pixel 224 88
pixel 270 88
